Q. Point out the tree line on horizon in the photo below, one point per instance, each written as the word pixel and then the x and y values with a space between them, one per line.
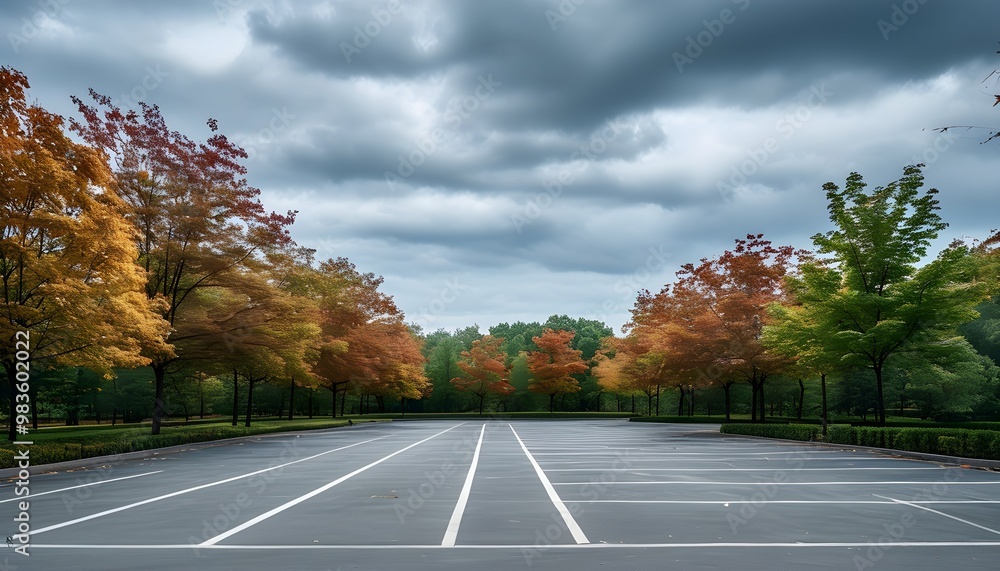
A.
pixel 154 283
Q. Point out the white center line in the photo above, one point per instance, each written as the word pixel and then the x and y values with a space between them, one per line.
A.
pixel 911 504
pixel 82 486
pixel 194 489
pixel 451 534
pixel 313 493
pixel 571 524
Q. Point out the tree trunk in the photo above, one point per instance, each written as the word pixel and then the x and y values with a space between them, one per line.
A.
pixel 753 402
pixel 657 400
pixel 802 398
pixel 291 399
pixel 725 391
pixel 691 402
pixel 552 401
pixel 880 404
pixel 343 400
pixel 822 384
pixel 311 391
pixel 482 397
pixel 760 399
pixel 158 405
pixel 250 382
pixel 34 405
pixel 236 397
pixel 333 391
pixel 12 386
pixel 680 401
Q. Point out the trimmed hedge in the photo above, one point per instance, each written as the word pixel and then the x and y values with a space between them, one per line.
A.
pixel 76 449
pixel 962 442
pixel 806 432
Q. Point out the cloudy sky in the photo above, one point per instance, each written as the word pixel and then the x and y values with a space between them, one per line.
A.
pixel 506 160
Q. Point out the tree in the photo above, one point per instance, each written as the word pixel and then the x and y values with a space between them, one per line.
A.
pixel 484 370
pixel 442 350
pixel 626 365
pixel 364 341
pixel 870 293
pixel 197 220
pixel 67 259
pixel 706 328
pixel 795 333
pixel 553 364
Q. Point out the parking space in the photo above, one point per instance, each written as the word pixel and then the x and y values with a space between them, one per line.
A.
pixel 499 494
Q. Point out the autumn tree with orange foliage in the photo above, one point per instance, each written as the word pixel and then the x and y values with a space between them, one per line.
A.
pixel 199 225
pixel 553 365
pixel 625 366
pixel 72 291
pixel 484 369
pixel 710 322
pixel 364 343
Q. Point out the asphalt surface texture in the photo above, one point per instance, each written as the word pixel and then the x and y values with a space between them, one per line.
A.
pixel 494 494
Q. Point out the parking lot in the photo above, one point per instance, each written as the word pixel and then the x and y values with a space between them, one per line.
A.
pixel 499 494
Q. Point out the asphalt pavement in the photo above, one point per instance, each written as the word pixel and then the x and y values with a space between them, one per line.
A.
pixel 494 494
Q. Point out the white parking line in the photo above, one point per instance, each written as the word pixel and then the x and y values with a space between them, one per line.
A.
pixel 571 524
pixel 529 546
pixel 715 483
pixel 313 493
pixel 36 494
pixel 194 489
pixel 773 453
pixel 913 504
pixel 763 469
pixel 758 502
pixel 451 534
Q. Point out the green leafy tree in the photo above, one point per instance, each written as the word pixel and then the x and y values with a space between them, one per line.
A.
pixel 869 301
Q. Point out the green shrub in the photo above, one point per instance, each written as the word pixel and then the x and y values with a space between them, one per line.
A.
pixel 951 445
pixel 841 434
pixel 805 432
pixel 964 442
